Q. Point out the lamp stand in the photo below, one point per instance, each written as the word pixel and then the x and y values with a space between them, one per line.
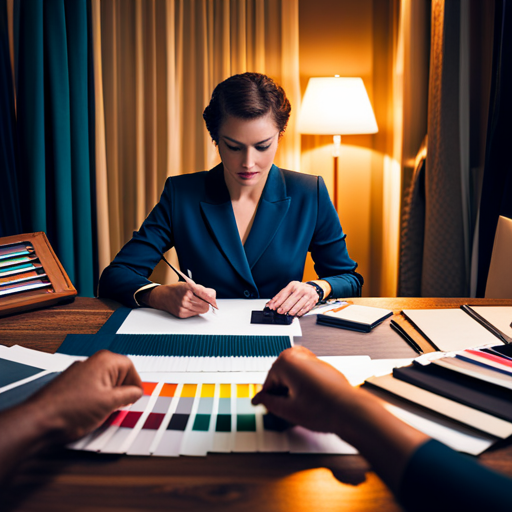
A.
pixel 336 154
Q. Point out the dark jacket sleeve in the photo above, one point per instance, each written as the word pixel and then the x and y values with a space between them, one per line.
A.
pixel 135 262
pixel 439 479
pixel 329 250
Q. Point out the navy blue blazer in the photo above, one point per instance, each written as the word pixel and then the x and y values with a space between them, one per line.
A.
pixel 295 215
pixel 438 478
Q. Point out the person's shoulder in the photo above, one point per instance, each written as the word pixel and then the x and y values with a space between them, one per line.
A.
pixel 298 176
pixel 299 181
pixel 185 183
pixel 187 179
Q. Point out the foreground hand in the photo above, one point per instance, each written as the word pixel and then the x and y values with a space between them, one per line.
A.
pixel 295 299
pixel 305 391
pixel 182 300
pixel 82 397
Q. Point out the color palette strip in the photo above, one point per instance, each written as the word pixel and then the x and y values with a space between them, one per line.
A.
pixel 173 419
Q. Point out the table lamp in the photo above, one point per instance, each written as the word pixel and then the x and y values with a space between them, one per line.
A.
pixel 336 106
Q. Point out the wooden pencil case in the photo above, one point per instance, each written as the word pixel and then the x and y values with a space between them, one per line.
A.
pixel 58 290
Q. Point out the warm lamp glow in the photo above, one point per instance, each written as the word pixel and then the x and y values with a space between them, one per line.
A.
pixel 336 106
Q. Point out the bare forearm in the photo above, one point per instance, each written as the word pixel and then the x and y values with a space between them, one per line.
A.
pixel 384 440
pixel 24 433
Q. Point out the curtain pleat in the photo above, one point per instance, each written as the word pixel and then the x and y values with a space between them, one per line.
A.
pixel 444 261
pixel 107 53
pixel 409 107
pixel 289 156
pixel 30 113
pixel 53 97
pixel 413 231
pixel 58 134
pixel 496 198
pixel 103 225
pixel 82 229
pixel 10 214
pixel 160 60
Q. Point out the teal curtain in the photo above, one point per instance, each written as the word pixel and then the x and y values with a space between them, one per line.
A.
pixel 53 83
pixel 10 214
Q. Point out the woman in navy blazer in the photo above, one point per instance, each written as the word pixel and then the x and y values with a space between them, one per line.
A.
pixel 242 229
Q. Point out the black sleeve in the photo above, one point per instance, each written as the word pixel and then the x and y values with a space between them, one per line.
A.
pixel 439 479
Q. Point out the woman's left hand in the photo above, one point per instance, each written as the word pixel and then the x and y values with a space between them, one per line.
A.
pixel 295 299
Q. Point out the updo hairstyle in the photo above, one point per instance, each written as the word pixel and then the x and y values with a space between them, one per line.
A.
pixel 247 96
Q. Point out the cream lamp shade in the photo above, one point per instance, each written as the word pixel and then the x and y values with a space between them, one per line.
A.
pixel 336 106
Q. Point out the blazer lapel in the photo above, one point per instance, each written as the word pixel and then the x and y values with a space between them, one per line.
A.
pixel 273 207
pixel 219 216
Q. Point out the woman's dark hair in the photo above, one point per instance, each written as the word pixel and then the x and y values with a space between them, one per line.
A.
pixel 246 96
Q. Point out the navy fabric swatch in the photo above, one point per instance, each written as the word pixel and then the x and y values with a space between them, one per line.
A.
pixel 19 394
pixel 180 345
pixel 11 371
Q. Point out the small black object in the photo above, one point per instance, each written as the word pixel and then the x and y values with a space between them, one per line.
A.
pixel 269 316
pixel 272 422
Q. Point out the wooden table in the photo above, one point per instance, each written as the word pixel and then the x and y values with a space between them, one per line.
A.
pixel 63 480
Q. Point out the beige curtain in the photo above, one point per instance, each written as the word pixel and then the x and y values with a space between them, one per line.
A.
pixel 410 129
pixel 402 127
pixel 436 256
pixel 156 64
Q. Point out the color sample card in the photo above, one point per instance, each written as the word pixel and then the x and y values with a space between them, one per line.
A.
pixel 222 440
pixel 9 289
pixel 18 269
pixel 17 261
pixel 15 250
pixel 19 394
pixel 119 428
pixel 11 371
pixel 21 277
pixel 245 419
pixel 144 440
pixel 187 418
pixel 199 436
pixel 172 437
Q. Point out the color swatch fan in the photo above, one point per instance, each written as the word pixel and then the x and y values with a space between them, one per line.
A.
pixel 191 417
pixel 31 276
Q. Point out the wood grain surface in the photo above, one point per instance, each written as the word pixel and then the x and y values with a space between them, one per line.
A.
pixel 63 480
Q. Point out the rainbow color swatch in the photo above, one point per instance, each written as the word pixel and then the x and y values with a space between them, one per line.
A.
pixel 184 418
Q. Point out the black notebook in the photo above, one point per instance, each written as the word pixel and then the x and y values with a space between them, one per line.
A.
pixel 354 317
pixel 461 388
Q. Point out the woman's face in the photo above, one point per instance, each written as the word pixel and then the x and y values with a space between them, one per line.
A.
pixel 247 148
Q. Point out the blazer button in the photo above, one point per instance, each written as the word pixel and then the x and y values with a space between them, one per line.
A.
pixel 247 293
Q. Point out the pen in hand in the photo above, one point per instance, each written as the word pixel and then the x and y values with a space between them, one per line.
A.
pixel 196 290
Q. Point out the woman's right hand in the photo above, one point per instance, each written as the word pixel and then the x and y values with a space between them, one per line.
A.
pixel 181 299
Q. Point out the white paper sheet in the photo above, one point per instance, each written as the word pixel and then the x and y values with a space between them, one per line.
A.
pixel 459 438
pixel 451 329
pixel 232 318
pixel 53 362
pixel 354 367
pixel 499 316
